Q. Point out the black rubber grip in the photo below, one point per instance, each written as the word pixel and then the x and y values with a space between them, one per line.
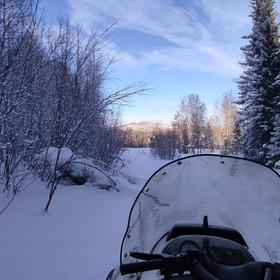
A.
pixel 141 266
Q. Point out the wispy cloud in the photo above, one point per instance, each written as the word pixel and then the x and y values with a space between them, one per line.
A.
pixel 204 58
pixel 229 14
pixel 157 17
pixel 202 36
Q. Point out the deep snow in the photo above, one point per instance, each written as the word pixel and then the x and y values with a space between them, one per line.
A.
pixel 80 238
pixel 81 235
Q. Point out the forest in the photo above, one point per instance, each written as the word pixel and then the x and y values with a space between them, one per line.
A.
pixel 54 102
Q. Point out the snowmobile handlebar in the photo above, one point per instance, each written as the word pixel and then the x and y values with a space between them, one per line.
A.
pixel 141 266
pixel 203 268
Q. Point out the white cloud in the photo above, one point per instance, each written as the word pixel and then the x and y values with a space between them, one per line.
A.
pixel 157 17
pixel 197 49
pixel 204 58
pixel 229 14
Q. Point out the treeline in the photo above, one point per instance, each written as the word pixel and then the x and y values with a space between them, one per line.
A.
pixel 52 91
pixel 138 135
pixel 197 132
pixel 194 132
pixel 194 129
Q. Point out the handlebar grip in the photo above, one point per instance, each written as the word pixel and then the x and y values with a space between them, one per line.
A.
pixel 199 272
pixel 141 266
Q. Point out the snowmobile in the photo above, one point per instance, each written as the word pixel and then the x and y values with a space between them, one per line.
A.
pixel 204 217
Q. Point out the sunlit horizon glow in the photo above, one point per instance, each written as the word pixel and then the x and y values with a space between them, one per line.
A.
pixel 175 47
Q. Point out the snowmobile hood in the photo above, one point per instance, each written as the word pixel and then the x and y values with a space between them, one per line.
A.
pixel 231 191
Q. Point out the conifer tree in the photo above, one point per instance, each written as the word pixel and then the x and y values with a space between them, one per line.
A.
pixel 274 147
pixel 258 88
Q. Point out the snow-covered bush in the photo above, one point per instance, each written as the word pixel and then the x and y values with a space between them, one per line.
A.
pixel 277 165
pixel 62 165
pixel 54 156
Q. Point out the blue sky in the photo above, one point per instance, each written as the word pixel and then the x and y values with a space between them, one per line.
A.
pixel 177 47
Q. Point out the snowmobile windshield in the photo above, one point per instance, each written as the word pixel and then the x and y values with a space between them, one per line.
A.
pixel 232 192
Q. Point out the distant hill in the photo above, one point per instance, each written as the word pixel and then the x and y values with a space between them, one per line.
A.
pixel 146 125
pixel 139 133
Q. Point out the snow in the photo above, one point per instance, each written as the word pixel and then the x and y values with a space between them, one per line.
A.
pixel 74 165
pixel 277 164
pixel 80 237
pixel 141 164
pixel 52 153
pixel 86 168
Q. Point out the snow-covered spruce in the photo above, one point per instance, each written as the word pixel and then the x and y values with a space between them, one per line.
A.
pixel 274 147
pixel 259 89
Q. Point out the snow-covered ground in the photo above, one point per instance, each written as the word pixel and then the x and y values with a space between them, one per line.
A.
pixel 80 237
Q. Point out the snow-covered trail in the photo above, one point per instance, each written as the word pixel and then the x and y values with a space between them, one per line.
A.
pixel 141 164
pixel 81 236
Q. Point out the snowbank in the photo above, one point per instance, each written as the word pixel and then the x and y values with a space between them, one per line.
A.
pixel 72 169
pixel 53 155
